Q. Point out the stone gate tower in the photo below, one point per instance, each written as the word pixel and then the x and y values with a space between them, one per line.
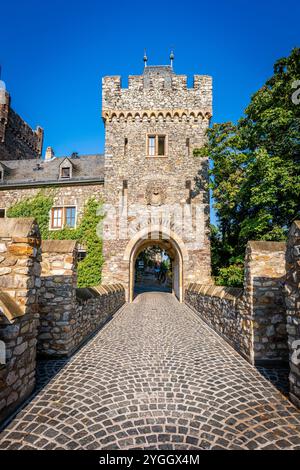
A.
pixel 151 130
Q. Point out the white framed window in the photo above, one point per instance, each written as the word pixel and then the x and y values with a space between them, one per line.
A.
pixel 151 145
pixel 63 217
pixel 70 217
pixel 156 145
pixel 56 217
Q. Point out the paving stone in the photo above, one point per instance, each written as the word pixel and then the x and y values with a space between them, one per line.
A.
pixel 156 377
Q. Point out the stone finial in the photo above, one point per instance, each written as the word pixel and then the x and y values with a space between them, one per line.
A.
pixel 172 58
pixel 145 58
pixel 49 153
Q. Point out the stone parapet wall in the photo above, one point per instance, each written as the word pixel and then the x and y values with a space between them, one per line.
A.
pixel 68 315
pixel 94 307
pixel 226 310
pixel 251 319
pixel 292 299
pixel 264 280
pixel 20 256
pixel 57 297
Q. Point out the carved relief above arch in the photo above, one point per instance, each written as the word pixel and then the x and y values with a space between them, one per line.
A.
pixel 155 194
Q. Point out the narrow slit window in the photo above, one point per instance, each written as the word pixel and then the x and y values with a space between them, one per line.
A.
pixel 188 186
pixel 125 145
pixel 187 143
pixel 125 191
pixel 2 213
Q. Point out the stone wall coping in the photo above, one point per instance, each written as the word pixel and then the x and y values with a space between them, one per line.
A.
pixel 21 227
pixel 222 292
pixel 297 223
pixel 58 246
pixel 9 308
pixel 295 227
pixel 86 293
pixel 108 288
pixel 262 245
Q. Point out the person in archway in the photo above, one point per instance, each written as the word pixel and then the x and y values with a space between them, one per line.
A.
pixel 162 273
pixel 157 270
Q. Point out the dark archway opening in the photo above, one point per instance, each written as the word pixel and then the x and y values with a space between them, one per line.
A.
pixel 153 271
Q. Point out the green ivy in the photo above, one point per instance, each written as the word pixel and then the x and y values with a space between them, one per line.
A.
pixel 39 206
pixel 201 152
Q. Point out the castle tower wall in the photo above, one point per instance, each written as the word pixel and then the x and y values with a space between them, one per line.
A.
pixel 18 141
pixel 157 103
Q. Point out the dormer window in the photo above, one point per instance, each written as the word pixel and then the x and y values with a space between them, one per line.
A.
pixel 65 172
pixel 66 168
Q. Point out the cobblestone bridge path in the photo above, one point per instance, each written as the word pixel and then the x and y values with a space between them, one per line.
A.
pixel 156 377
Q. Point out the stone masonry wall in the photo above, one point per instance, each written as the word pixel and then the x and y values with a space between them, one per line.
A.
pixel 17 139
pixel 19 283
pixel 292 299
pixel 158 102
pixel 252 319
pixel 94 306
pixel 264 282
pixel 225 309
pixel 62 196
pixel 68 316
pixel 57 297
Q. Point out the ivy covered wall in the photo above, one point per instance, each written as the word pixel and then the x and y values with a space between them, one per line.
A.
pixel 39 206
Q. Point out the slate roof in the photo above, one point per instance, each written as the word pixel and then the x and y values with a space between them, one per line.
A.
pixel 85 168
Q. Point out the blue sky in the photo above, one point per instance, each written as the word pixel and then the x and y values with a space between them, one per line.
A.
pixel 53 55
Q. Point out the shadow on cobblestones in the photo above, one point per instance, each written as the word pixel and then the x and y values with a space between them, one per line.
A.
pixel 278 376
pixel 46 370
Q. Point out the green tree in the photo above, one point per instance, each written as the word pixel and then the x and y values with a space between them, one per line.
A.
pixel 255 177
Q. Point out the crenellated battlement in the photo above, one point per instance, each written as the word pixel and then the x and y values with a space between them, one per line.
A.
pixel 32 138
pixel 158 88
pixel 17 139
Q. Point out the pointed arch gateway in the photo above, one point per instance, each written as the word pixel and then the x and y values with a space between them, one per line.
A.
pixel 168 241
